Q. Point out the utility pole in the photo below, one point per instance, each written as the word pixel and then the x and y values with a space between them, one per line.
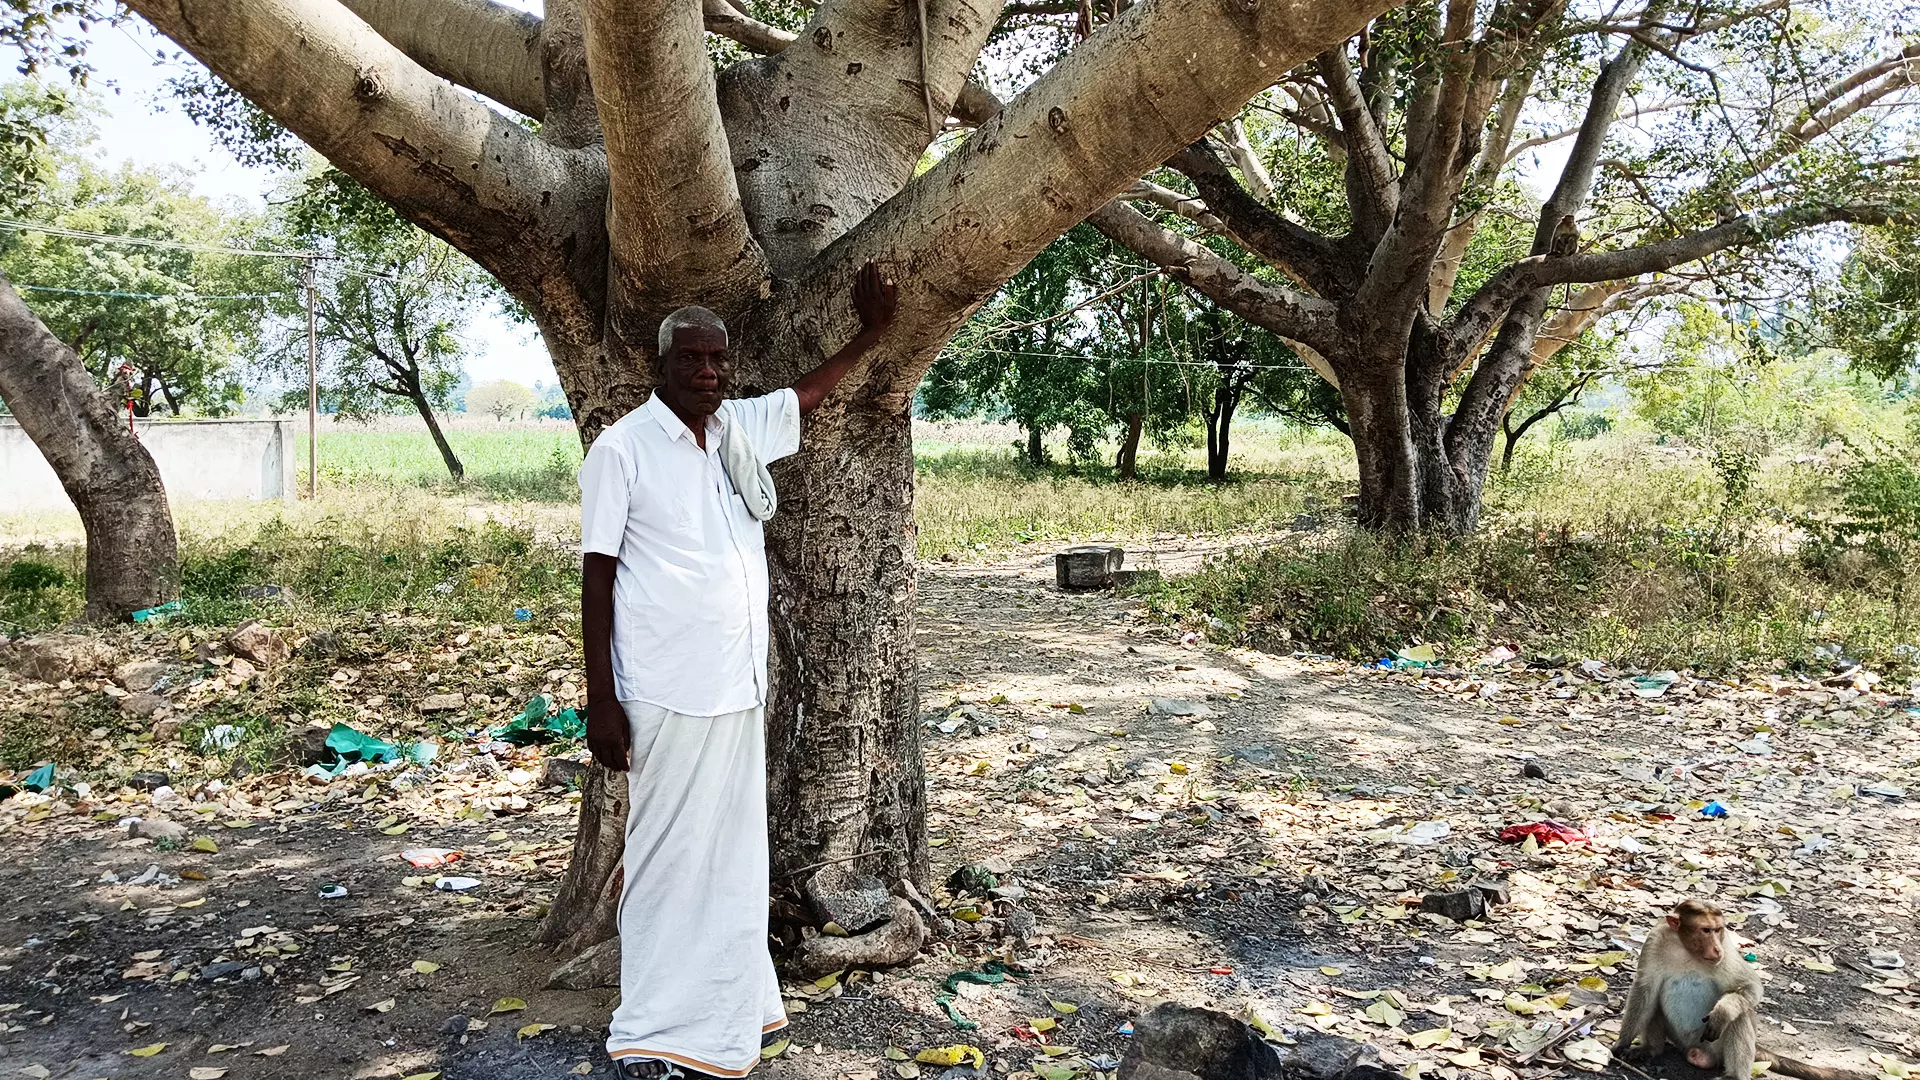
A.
pixel 313 397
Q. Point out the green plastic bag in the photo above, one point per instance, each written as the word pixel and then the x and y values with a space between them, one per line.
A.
pixel 533 725
pixel 40 779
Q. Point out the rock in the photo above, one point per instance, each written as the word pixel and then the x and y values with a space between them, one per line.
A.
pixel 892 942
pixel 143 705
pixel 1495 890
pixel 258 643
pixel 1021 923
pixel 49 658
pixel 1254 755
pixel 855 902
pixel 157 829
pixel 222 970
pixel 239 668
pixel 1174 1042
pixel 1162 706
pixel 1087 566
pixel 1008 892
pixel 166 730
pixel 1456 904
pixel 455 1025
pixel 597 967
pixel 321 645
pixel 1318 1056
pixel 148 781
pixel 562 772
pixel 973 879
pixel 208 651
pixel 308 746
pixel 279 593
pixel 138 675
pixel 1533 770
pixel 442 703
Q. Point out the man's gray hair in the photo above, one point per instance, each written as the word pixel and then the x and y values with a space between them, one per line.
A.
pixel 689 316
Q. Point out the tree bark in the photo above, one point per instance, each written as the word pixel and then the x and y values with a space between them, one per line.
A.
pixel 1226 400
pixel 425 408
pixel 133 557
pixel 1126 464
pixel 1036 446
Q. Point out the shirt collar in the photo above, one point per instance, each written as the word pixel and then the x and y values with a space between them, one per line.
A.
pixel 675 428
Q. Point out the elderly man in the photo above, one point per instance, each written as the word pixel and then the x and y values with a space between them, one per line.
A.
pixel 673 610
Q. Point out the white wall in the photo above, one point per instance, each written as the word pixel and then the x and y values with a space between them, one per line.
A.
pixel 198 459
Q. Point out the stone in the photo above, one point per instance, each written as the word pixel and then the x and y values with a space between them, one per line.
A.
pixel 1319 1056
pixel 278 593
pixel 1495 890
pixel 856 902
pixel 208 651
pixel 143 705
pixel 1255 755
pixel 49 658
pixel 597 967
pixel 138 675
pixel 1456 904
pixel 1087 566
pixel 562 772
pixel 1533 770
pixel 321 645
pixel 308 746
pixel 442 702
pixel 148 781
pixel 240 669
pixel 1162 706
pixel 259 643
pixel 167 730
pixel 157 829
pixel 894 941
pixel 222 970
pixel 455 1025
pixel 1175 1042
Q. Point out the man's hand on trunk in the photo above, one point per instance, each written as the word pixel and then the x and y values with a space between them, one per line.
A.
pixel 607 733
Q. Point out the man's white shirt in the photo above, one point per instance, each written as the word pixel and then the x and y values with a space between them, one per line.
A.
pixel 690 594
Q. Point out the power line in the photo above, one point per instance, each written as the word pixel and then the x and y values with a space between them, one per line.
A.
pixel 148 296
pixel 1143 360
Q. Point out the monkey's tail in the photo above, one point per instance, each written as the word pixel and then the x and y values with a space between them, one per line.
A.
pixel 1801 1070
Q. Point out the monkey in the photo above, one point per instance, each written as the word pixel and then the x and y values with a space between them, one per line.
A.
pixel 1691 985
pixel 1566 236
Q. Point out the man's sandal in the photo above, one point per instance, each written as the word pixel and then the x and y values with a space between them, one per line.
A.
pixel 650 1069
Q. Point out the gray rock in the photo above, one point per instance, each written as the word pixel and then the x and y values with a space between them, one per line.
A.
pixel 1495 890
pixel 442 703
pixel 308 746
pixel 1174 1042
pixel 1087 566
pixel 1319 1056
pixel 1161 706
pixel 562 772
pixel 894 941
pixel 143 705
pixel 259 643
pixel 321 645
pixel 158 829
pixel 148 780
pixel 1533 770
pixel 166 730
pixel 49 658
pixel 1456 904
pixel 222 970
pixel 1255 755
pixel 455 1025
pixel 138 675
pixel 856 903
pixel 1008 892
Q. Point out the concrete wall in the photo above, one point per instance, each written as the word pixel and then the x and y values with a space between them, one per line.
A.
pixel 198 459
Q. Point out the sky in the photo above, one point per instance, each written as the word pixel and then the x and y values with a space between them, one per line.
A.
pixel 139 124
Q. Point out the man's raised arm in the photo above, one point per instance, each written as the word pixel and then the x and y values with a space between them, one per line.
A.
pixel 874 298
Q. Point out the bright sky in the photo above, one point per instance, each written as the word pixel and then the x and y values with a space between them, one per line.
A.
pixel 142 125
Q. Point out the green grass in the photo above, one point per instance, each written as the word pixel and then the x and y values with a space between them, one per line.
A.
pixel 536 464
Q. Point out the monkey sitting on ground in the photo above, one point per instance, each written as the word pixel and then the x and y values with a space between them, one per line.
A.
pixel 1691 986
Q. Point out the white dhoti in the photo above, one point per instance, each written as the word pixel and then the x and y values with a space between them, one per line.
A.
pixel 697 985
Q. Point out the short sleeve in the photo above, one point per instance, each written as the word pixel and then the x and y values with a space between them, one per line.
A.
pixel 771 423
pixel 606 486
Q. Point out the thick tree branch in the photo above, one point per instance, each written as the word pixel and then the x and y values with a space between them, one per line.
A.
pixel 749 33
pixel 485 184
pixel 675 221
pixel 1194 210
pixel 486 47
pixel 1279 310
pixel 1078 136
pixel 1233 135
pixel 1296 250
pixel 1372 189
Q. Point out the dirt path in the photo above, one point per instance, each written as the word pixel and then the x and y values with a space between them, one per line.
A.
pixel 1252 855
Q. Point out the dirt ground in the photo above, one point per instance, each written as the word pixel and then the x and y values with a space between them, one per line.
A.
pixel 1264 853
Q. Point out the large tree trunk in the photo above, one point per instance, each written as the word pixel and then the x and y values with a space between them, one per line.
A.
pixel 1220 429
pixel 1036 446
pixel 133 557
pixel 425 408
pixel 1127 462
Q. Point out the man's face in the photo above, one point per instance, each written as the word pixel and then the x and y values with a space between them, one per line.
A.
pixel 695 373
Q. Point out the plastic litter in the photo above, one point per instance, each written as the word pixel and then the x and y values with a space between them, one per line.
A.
pixel 332 891
pixel 993 973
pixel 352 747
pixel 428 858
pixel 1421 833
pixel 220 737
pixel 1545 832
pixel 1124 1029
pixel 533 725
pixel 521 614
pixel 158 613
pixel 1655 685
pixel 1714 810
pixel 39 779
pixel 1885 959
pixel 456 884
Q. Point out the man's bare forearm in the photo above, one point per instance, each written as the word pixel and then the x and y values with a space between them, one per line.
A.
pixel 813 387
pixel 596 623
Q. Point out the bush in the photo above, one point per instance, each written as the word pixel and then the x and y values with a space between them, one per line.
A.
pixel 35 595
